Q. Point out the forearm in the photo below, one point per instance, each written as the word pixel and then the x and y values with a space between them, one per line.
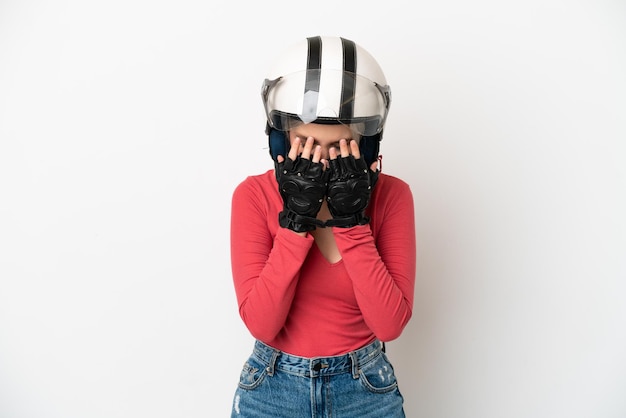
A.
pixel 266 279
pixel 384 290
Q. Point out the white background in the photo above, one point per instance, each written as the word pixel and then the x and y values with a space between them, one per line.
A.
pixel 125 126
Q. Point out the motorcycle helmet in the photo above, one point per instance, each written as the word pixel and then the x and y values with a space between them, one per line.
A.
pixel 326 80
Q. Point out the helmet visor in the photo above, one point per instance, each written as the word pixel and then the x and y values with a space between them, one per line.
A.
pixel 326 97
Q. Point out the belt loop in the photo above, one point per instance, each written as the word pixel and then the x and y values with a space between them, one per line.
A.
pixel 272 363
pixel 355 365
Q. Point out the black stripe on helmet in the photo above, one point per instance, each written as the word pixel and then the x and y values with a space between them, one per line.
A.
pixel 346 111
pixel 312 82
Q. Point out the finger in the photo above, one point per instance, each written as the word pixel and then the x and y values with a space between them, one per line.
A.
pixel 293 152
pixel 374 166
pixel 308 147
pixel 332 153
pixel 354 148
pixel 333 164
pixel 324 163
pixel 280 158
pixel 317 154
pixel 343 147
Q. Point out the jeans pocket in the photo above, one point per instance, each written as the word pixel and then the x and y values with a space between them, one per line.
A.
pixel 378 376
pixel 252 374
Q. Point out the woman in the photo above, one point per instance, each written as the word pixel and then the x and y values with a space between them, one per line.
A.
pixel 323 246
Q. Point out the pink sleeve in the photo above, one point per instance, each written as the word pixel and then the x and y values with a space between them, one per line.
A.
pixel 265 269
pixel 382 269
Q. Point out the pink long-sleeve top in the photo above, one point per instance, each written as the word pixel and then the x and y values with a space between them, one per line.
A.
pixel 292 298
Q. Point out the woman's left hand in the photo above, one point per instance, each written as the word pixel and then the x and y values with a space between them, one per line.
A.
pixel 350 185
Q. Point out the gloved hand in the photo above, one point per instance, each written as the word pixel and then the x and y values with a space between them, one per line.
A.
pixel 349 190
pixel 302 185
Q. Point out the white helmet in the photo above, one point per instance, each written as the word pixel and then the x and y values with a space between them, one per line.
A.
pixel 327 80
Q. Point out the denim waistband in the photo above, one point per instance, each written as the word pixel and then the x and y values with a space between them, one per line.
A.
pixel 316 366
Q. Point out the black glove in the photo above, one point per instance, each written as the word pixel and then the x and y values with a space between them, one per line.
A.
pixel 349 189
pixel 302 185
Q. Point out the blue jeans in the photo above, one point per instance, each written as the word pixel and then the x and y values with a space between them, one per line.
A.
pixel 359 384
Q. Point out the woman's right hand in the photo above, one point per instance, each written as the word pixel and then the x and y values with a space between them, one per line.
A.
pixel 302 181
